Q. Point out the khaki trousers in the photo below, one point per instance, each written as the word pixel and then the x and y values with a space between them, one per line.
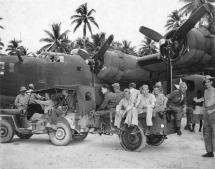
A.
pixel 209 131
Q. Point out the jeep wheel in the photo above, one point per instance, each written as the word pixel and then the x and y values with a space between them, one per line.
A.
pixel 155 140
pixel 6 131
pixel 62 136
pixel 133 142
pixel 23 136
pixel 80 137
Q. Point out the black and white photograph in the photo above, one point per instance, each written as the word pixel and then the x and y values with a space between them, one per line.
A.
pixel 107 84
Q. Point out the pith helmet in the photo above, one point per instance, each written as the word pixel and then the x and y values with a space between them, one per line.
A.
pixel 22 89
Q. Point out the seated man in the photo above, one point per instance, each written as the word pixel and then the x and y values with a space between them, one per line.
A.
pixel 108 105
pixel 161 100
pixel 145 104
pixel 68 102
pixel 125 108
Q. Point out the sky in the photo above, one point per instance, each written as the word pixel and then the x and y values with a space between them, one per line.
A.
pixel 27 19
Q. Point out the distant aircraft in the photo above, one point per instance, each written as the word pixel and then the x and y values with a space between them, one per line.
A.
pixel 185 50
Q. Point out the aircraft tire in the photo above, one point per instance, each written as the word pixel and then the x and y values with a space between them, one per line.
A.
pixel 155 140
pixel 133 142
pixel 62 136
pixel 6 131
pixel 24 136
pixel 80 137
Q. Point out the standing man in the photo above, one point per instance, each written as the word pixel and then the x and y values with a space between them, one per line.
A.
pixel 177 103
pixel 209 117
pixel 21 103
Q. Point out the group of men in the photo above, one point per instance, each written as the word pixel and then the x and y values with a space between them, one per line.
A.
pixel 132 102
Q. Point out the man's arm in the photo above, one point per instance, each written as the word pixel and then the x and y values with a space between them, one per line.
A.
pixel 104 103
pixel 16 102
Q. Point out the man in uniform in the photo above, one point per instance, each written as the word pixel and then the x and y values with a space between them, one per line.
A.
pixel 108 105
pixel 21 103
pixel 21 100
pixel 68 102
pixel 134 92
pixel 145 104
pixel 125 108
pixel 209 117
pixel 177 103
pixel 118 92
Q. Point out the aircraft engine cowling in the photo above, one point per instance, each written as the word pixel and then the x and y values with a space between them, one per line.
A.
pixel 197 49
pixel 121 67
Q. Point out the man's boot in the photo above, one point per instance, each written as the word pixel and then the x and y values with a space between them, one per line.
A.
pixel 186 127
pixel 179 131
pixel 209 154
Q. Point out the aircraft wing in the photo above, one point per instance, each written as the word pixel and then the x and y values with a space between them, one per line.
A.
pixel 151 62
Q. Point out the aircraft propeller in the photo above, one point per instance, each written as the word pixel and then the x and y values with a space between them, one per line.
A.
pixel 170 45
pixel 98 58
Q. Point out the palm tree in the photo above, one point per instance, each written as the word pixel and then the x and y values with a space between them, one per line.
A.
pixel 127 48
pixel 84 16
pixel 174 21
pixel 193 5
pixel 116 45
pixel 98 40
pixel 80 42
pixel 57 41
pixel 14 47
pixel 147 47
pixel 0 25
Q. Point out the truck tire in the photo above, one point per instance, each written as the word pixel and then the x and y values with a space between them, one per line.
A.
pixel 62 136
pixel 133 142
pixel 6 131
pixel 155 140
pixel 23 136
pixel 80 137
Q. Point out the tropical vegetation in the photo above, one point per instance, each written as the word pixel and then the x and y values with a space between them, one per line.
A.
pixel 84 16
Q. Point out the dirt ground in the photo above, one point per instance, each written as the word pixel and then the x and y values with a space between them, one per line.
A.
pixel 105 152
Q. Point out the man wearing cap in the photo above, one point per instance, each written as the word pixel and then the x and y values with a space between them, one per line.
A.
pixel 209 117
pixel 177 103
pixel 21 100
pixel 32 96
pixel 118 92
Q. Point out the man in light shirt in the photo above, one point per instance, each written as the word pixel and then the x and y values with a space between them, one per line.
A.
pixel 209 117
pixel 125 108
pixel 145 104
pixel 134 92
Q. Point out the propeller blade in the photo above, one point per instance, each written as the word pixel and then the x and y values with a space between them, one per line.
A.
pixel 190 22
pixel 104 47
pixel 150 33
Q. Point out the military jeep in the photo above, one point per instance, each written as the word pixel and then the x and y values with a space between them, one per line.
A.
pixel 69 125
pixel 163 124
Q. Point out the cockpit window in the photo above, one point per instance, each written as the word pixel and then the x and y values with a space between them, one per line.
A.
pixel 2 68
pixel 57 59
